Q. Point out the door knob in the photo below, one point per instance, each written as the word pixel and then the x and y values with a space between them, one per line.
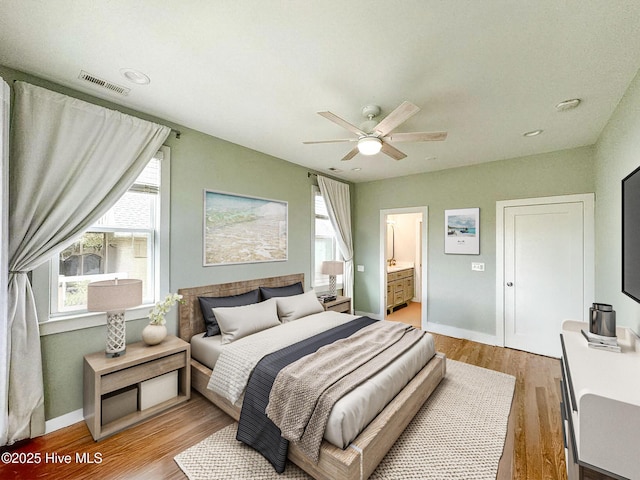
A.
pixel 509 284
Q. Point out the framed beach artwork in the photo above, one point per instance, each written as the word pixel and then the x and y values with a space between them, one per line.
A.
pixel 242 229
pixel 462 231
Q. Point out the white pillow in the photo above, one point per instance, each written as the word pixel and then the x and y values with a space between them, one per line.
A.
pixel 238 322
pixel 298 306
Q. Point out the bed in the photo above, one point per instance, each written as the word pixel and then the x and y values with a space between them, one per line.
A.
pixel 362 455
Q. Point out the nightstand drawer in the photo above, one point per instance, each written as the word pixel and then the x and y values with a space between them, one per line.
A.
pixel 340 304
pixel 341 307
pixel 139 373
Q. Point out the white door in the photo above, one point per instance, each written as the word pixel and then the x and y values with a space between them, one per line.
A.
pixel 544 274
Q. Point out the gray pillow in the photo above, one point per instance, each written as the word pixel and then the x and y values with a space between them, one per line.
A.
pixel 208 303
pixel 298 306
pixel 239 322
pixel 289 290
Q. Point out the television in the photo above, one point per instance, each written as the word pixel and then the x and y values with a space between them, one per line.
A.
pixel 631 235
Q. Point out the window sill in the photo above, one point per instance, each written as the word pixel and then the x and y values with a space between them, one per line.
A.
pixel 80 321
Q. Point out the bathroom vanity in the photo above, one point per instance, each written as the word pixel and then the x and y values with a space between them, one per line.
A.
pixel 400 286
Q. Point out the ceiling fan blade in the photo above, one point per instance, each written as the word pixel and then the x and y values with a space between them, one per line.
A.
pixel 333 141
pixel 343 123
pixel 395 118
pixel 416 137
pixel 392 151
pixel 352 153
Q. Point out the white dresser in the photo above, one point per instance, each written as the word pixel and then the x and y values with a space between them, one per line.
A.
pixel 600 405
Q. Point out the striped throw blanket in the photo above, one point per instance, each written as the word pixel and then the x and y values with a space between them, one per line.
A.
pixel 305 391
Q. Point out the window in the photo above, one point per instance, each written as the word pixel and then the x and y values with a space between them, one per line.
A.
pixel 325 244
pixel 124 243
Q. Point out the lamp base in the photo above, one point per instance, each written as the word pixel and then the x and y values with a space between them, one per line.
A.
pixel 115 354
pixel 116 335
pixel 332 285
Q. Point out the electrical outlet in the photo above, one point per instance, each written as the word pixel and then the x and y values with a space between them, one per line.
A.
pixel 477 267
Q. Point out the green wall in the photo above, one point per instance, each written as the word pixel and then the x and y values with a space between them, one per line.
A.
pixel 458 297
pixel 617 155
pixel 198 161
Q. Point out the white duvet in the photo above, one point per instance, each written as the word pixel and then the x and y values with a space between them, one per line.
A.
pixel 238 359
pixel 355 410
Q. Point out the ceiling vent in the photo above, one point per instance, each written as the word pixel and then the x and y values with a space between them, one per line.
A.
pixel 104 84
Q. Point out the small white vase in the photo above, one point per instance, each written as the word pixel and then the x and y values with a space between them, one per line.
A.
pixel 154 334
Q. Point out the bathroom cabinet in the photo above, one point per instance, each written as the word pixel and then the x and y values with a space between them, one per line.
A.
pixel 399 287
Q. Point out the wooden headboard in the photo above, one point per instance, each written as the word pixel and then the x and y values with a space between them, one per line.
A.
pixel 190 320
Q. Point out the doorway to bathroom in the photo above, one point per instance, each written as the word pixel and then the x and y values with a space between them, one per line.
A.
pixel 403 261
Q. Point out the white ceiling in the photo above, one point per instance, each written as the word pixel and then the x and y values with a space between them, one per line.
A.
pixel 255 72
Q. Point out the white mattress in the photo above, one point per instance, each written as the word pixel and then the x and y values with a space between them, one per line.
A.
pixel 352 413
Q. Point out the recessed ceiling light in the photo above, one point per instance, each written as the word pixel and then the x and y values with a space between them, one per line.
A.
pixel 357 169
pixel 568 104
pixel 431 159
pixel 334 169
pixel 533 133
pixel 135 76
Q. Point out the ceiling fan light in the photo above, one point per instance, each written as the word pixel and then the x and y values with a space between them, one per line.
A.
pixel 369 145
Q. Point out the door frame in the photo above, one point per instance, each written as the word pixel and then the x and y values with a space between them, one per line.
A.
pixel 588 201
pixel 424 210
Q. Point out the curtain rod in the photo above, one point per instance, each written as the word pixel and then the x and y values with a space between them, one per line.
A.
pixel 311 174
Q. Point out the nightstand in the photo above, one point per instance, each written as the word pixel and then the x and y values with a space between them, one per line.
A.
pixel 122 391
pixel 340 304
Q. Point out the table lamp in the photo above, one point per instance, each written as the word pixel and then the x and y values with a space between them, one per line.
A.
pixel 114 297
pixel 332 268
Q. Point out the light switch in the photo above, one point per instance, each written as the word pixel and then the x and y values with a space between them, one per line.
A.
pixel 361 268
pixel 477 267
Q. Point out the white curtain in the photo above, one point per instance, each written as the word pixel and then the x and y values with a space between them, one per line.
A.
pixel 338 200
pixel 70 161
pixel 4 253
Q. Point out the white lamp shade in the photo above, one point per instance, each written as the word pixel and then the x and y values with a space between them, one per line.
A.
pixel 114 295
pixel 369 145
pixel 333 267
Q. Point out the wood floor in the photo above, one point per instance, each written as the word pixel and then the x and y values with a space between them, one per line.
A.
pixel 410 314
pixel 146 451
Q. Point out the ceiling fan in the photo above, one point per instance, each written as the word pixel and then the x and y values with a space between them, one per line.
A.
pixel 374 136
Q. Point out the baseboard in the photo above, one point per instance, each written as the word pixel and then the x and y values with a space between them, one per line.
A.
pixel 63 421
pixel 456 332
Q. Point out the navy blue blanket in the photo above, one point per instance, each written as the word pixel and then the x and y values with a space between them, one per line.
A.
pixel 254 428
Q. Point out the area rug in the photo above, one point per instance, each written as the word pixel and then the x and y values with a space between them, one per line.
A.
pixel 459 433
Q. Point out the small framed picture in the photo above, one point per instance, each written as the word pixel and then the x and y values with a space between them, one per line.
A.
pixel 462 231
